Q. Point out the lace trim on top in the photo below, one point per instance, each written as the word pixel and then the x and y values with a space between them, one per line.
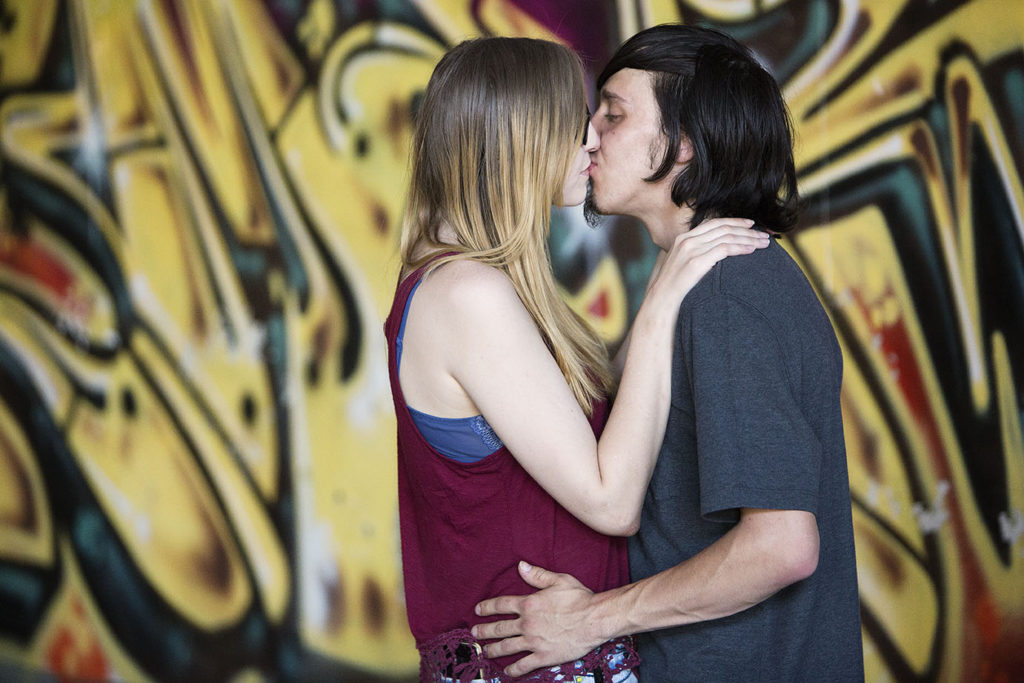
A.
pixel 486 433
pixel 438 661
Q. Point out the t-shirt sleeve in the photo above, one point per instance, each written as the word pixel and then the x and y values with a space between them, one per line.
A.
pixel 755 448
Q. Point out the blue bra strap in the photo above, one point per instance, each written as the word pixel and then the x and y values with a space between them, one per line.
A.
pixel 401 327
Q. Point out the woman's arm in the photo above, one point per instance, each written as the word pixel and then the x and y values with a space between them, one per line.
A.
pixel 493 349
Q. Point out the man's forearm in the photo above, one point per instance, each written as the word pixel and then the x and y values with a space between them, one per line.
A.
pixel 767 551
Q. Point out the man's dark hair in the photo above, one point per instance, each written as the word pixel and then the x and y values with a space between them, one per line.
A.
pixel 713 92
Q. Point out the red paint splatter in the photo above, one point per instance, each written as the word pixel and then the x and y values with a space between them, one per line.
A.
pixel 33 261
pixel 599 306
pixel 74 654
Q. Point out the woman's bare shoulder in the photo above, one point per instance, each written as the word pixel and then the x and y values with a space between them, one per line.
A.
pixel 464 304
pixel 465 282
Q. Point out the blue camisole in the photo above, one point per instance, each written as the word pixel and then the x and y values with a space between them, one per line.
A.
pixel 463 439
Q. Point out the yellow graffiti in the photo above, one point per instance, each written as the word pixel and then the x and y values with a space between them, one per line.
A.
pixel 200 203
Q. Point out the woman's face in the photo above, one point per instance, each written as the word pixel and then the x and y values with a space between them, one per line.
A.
pixel 574 190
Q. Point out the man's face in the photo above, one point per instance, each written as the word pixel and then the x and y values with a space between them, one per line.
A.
pixel 632 146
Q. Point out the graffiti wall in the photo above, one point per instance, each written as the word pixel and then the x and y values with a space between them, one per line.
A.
pixel 199 211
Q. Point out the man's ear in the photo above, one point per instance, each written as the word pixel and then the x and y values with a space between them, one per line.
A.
pixel 685 151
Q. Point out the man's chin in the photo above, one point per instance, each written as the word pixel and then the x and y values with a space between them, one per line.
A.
pixel 591 211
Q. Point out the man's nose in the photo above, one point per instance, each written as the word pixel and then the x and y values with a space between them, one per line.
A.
pixel 593 138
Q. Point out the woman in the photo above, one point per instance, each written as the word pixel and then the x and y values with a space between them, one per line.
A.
pixel 499 388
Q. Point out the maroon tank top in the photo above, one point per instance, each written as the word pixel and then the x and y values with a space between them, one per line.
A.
pixel 465 526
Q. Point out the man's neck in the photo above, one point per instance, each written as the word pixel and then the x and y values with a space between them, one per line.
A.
pixel 666 223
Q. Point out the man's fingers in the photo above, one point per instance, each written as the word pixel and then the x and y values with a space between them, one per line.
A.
pixel 506 604
pixel 509 646
pixel 537 577
pixel 493 630
pixel 524 666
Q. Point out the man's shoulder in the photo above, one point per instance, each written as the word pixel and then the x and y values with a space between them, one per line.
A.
pixel 753 296
pixel 771 264
pixel 768 279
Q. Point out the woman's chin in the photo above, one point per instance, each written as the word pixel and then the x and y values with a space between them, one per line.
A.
pixel 574 199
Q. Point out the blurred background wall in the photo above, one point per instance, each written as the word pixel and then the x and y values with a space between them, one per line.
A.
pixel 199 210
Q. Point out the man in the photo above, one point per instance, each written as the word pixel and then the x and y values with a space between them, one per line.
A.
pixel 744 564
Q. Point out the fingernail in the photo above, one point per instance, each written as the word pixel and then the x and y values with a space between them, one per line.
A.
pixel 524 566
pixel 473 631
pixel 477 610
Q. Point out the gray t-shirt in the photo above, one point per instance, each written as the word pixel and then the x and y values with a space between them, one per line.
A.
pixel 755 422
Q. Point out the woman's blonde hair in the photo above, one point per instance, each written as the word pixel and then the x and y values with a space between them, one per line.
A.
pixel 497 131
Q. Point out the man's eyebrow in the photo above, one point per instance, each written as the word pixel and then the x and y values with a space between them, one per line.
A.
pixel 607 94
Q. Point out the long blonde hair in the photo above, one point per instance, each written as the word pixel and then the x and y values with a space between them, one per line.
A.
pixel 498 129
